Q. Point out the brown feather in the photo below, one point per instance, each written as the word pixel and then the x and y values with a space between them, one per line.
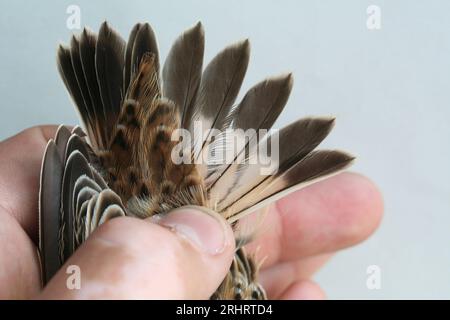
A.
pixel 182 69
pixel 109 63
pixel 127 169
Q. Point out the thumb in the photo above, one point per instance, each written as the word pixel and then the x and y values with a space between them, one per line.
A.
pixel 184 254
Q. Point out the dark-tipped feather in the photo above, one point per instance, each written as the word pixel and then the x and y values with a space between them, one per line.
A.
pixel 128 52
pixel 145 43
pixel 76 166
pixel 263 103
pixel 49 201
pixel 183 67
pixel 109 62
pixel 67 73
pixel 132 127
pixel 259 109
pixel 317 165
pixel 219 87
pixel 82 85
pixel 88 42
pixel 303 136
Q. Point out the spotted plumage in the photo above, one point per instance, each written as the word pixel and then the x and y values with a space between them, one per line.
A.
pixel 134 114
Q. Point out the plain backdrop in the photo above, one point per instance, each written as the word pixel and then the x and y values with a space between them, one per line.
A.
pixel 388 88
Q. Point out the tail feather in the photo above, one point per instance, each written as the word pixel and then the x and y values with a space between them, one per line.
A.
pixel 131 123
pixel 67 73
pixel 109 63
pixel 182 69
pixel 62 136
pixel 144 43
pixel 142 40
pixel 259 109
pixel 79 75
pixel 127 71
pixel 49 204
pixel 88 42
pixel 303 135
pixel 317 165
pixel 219 87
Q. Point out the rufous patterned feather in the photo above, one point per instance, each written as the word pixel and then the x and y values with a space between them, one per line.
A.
pixel 134 119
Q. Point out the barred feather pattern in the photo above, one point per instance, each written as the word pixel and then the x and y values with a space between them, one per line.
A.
pixel 124 165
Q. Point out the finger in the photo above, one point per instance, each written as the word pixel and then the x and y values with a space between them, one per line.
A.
pixel 19 272
pixel 276 279
pixel 19 175
pixel 324 217
pixel 303 290
pixel 184 256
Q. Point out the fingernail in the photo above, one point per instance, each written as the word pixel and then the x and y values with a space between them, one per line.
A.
pixel 205 229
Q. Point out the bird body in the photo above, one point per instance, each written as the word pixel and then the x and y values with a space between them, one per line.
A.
pixel 133 112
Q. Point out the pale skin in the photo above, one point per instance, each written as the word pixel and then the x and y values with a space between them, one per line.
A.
pixel 131 258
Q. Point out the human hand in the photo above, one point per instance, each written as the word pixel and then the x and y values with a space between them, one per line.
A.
pixel 129 258
pixel 302 231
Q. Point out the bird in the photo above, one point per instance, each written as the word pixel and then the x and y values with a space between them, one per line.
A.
pixel 123 160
